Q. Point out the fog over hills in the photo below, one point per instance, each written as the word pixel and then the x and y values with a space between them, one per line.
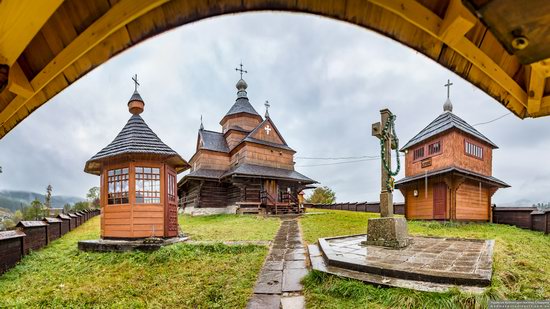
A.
pixel 13 200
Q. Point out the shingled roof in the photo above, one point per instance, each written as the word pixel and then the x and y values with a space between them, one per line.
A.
pixel 242 105
pixel 214 141
pixel 253 170
pixel 444 122
pixel 135 138
pixel 455 170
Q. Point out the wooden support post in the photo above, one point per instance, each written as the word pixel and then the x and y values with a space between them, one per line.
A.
pixel 18 82
pixel 537 81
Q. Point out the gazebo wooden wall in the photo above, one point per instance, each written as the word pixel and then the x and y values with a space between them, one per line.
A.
pixel 47 45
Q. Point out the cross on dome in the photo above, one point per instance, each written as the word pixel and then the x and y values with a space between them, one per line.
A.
pixel 136 84
pixel 448 85
pixel 267 105
pixel 448 106
pixel 241 70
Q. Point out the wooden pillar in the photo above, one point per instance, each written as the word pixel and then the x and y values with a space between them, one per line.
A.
pixel 453 183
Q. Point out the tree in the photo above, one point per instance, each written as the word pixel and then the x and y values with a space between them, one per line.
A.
pixel 81 206
pixel 35 212
pixel 322 195
pixel 93 197
pixel 66 208
pixel 48 200
pixel 17 216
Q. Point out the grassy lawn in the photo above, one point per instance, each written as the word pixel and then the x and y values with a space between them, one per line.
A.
pixel 178 276
pixel 521 268
pixel 229 227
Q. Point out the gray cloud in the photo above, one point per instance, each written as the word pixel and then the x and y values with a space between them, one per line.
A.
pixel 326 82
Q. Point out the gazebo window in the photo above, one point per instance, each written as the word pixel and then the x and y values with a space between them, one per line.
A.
pixel 148 185
pixel 172 188
pixel 118 186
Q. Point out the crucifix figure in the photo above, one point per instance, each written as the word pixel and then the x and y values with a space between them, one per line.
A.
pixel 448 85
pixel 385 132
pixel 136 84
pixel 267 129
pixel 387 231
pixel 241 70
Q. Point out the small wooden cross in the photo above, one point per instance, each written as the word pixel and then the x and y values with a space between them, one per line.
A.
pixel 448 85
pixel 267 105
pixel 136 84
pixel 267 129
pixel 241 70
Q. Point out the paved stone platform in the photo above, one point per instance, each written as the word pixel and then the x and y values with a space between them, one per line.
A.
pixel 278 285
pixel 108 245
pixel 445 262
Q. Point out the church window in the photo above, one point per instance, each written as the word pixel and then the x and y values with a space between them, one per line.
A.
pixel 418 153
pixel 117 183
pixel 147 185
pixel 434 148
pixel 473 150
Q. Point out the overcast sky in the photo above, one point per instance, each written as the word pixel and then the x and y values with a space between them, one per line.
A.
pixel 326 81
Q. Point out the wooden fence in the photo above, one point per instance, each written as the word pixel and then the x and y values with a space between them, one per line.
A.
pixel 34 235
pixel 524 217
pixel 398 208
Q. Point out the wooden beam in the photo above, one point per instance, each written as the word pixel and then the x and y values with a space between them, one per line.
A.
pixel 18 82
pixel 537 80
pixel 457 22
pixel 117 17
pixel 20 21
pixel 420 16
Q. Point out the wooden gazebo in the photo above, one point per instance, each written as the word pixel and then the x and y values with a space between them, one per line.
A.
pixel 138 181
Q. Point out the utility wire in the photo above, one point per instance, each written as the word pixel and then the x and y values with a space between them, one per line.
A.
pixel 493 120
pixel 337 163
pixel 338 158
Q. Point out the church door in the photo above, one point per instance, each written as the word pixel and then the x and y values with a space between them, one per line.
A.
pixel 440 200
pixel 270 186
pixel 171 204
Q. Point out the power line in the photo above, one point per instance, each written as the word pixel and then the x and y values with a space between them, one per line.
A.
pixel 338 158
pixel 493 120
pixel 337 163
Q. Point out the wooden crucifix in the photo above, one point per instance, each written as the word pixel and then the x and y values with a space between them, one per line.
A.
pixel 385 132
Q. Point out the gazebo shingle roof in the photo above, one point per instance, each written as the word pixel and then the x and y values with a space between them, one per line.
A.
pixel 135 138
pixel 444 122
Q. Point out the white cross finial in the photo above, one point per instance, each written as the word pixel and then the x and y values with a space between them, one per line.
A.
pixel 267 129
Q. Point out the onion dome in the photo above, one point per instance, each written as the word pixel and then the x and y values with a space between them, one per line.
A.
pixel 448 106
pixel 136 104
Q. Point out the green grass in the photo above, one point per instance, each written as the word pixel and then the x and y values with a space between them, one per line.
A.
pixel 178 276
pixel 521 268
pixel 229 227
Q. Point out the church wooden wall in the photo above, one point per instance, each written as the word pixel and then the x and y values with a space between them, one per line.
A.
pixel 207 159
pixel 452 154
pixel 234 137
pixel 190 194
pixel 421 206
pixel 472 203
pixel 264 155
pixel 233 195
pixel 212 194
pixel 244 122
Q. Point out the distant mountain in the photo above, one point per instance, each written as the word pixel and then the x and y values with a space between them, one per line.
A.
pixel 14 199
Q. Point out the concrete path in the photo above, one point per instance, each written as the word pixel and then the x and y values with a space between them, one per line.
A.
pixel 278 285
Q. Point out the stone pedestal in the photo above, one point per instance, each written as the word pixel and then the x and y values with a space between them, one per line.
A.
pixel 388 232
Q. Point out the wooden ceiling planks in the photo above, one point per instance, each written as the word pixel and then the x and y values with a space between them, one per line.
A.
pixel 71 43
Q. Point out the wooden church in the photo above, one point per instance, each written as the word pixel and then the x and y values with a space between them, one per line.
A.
pixel 448 171
pixel 138 187
pixel 248 167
